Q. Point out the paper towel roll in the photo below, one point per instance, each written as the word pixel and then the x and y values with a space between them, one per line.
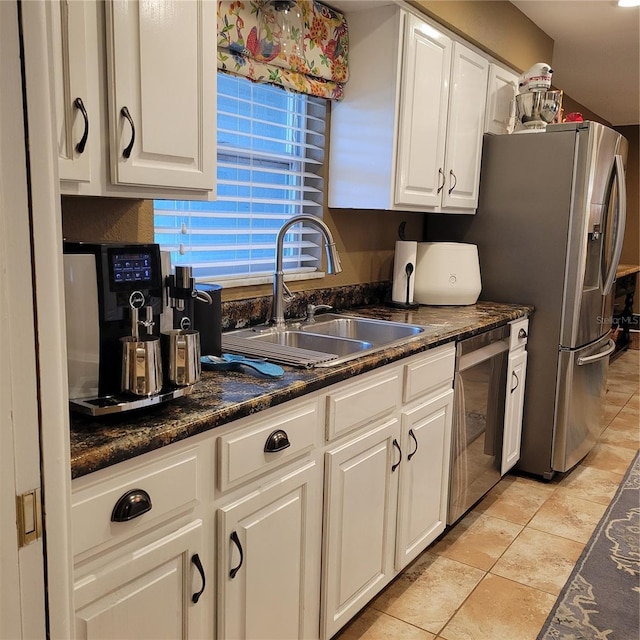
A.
pixel 406 252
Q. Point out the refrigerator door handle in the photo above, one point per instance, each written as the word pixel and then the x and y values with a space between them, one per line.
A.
pixel 620 223
pixel 611 346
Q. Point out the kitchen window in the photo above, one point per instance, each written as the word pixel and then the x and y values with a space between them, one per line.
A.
pixel 270 168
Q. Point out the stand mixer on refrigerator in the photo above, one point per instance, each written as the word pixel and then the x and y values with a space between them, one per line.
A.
pixel 536 104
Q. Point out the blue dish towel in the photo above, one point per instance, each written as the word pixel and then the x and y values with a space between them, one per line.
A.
pixel 232 362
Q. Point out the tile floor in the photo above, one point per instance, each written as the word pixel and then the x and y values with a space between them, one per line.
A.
pixel 497 573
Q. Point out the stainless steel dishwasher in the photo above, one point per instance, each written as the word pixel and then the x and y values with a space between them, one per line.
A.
pixel 478 418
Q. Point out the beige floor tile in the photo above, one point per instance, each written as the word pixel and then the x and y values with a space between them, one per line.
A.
pixel 568 517
pixel 500 609
pixel 477 540
pixel 540 560
pixel 618 397
pixel 517 501
pixel 623 431
pixel 609 458
pixel 429 591
pixel 375 625
pixel 590 483
pixel 634 401
pixel 609 412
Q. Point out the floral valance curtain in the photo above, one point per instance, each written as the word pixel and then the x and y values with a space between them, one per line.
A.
pixel 321 70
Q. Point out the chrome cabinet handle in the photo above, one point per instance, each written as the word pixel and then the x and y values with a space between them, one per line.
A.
pixel 413 453
pixel 277 441
pixel 124 112
pixel 453 186
pixel 441 173
pixel 83 141
pixel 513 373
pixel 131 505
pixel 397 446
pixel 236 541
pixel 195 559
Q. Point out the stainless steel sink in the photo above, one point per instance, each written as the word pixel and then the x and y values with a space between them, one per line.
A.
pixel 329 340
pixel 376 332
pixel 314 342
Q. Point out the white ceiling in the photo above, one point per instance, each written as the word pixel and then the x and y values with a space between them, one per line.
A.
pixel 596 56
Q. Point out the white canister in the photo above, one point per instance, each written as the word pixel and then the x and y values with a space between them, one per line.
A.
pixel 447 273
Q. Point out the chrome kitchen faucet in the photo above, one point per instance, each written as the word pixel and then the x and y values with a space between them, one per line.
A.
pixel 333 263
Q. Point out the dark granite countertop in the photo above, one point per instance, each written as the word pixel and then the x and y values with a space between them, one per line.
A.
pixel 221 397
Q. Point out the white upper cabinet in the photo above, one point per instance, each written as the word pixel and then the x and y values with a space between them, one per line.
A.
pixel 501 91
pixel 135 81
pixel 422 120
pixel 465 126
pixel 161 60
pixel 77 115
pixel 408 134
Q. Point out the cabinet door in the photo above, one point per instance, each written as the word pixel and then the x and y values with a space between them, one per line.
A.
pixel 76 108
pixel 269 560
pixel 162 92
pixel 422 120
pixel 361 484
pixel 513 410
pixel 424 476
pixel 465 128
pixel 501 91
pixel 147 593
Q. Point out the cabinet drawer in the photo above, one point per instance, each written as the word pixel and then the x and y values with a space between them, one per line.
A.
pixel 244 452
pixel 171 483
pixel 429 371
pixel 360 403
pixel 519 333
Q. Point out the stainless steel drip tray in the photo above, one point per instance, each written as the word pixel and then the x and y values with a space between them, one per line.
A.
pixel 107 405
pixel 328 341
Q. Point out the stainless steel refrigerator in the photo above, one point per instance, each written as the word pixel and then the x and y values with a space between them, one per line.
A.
pixel 549 229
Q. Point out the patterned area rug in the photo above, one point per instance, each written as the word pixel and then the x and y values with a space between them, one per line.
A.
pixel 600 601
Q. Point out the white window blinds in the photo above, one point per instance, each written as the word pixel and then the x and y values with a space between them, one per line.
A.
pixel 270 165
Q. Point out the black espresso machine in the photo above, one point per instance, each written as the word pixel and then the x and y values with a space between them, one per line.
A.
pixel 122 324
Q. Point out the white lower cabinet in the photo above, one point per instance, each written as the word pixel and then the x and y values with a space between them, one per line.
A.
pixel 360 514
pixel 424 476
pixel 303 512
pixel 146 593
pixel 516 375
pixel 268 559
pixel 514 402
pixel 386 484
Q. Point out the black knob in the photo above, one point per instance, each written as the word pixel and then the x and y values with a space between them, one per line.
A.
pixel 522 334
pixel 131 505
